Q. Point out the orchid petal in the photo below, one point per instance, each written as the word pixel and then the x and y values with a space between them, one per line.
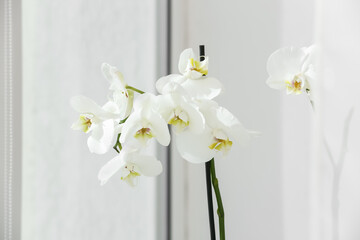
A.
pixel 101 138
pixel 283 65
pixel 112 108
pixel 110 168
pixel 145 101
pixel 166 106
pixel 83 124
pixel 233 126
pixel 130 127
pixel 107 71
pixel 195 147
pixel 114 76
pixel 159 128
pixel 196 119
pixel 124 101
pixel 276 83
pixel 285 61
pixel 203 88
pixel 194 75
pixel 184 59
pixel 170 83
pixel 86 105
pixel 149 166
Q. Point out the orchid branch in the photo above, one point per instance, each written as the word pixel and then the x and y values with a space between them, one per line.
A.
pixel 208 174
pixel 118 144
pixel 118 147
pixel 345 138
pixel 337 171
pixel 327 148
pixel 210 200
pixel 220 210
pixel 134 89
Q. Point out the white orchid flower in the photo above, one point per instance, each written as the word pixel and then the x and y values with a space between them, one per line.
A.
pixel 131 165
pixel 291 69
pixel 180 112
pixel 192 78
pixel 145 123
pixel 121 95
pixel 190 67
pixel 222 131
pixel 100 121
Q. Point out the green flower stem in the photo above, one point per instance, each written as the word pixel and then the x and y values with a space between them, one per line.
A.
pixel 124 120
pixel 210 200
pixel 220 210
pixel 118 144
pixel 134 89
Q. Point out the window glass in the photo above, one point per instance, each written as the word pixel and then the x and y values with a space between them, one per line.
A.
pixel 64 45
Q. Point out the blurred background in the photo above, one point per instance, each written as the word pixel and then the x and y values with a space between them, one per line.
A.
pixel 281 187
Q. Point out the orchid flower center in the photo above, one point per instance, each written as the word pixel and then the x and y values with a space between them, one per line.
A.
pixel 220 142
pixel 223 145
pixel 200 67
pixel 125 93
pixel 144 134
pixel 85 123
pixel 129 174
pixel 179 119
pixel 296 85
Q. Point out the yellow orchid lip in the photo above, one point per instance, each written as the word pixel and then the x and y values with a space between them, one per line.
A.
pixel 125 93
pixel 178 123
pixel 296 85
pixel 130 178
pixel 85 123
pixel 144 134
pixel 132 174
pixel 197 66
pixel 221 145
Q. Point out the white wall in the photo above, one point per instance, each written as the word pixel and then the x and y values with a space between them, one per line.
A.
pixel 239 36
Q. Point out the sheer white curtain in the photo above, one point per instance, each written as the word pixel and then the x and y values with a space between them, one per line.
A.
pixel 320 200
pixel 64 44
pixel 338 35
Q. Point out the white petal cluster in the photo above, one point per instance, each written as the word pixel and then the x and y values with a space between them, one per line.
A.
pixel 131 164
pixel 145 123
pixel 292 69
pixel 222 131
pixel 99 121
pixel 203 128
pixel 193 78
